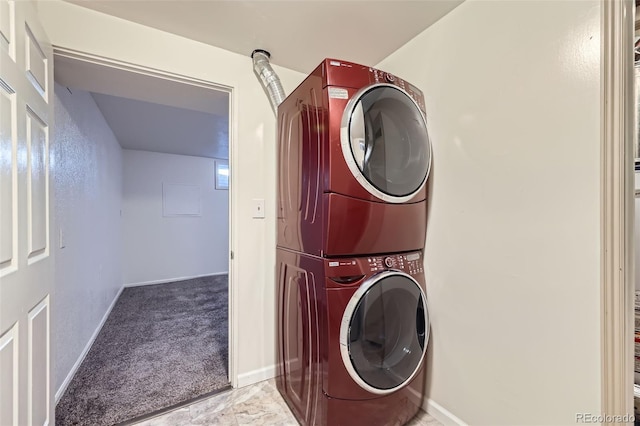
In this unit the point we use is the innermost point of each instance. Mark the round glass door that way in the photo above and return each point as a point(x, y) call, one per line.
point(385, 142)
point(384, 332)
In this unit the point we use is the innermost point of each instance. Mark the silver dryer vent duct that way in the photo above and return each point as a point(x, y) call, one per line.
point(268, 77)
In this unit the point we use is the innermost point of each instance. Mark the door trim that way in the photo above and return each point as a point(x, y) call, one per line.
point(617, 289)
point(62, 52)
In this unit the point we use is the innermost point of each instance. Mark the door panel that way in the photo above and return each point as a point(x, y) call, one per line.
point(7, 18)
point(36, 63)
point(37, 184)
point(39, 363)
point(26, 265)
point(7, 181)
point(9, 377)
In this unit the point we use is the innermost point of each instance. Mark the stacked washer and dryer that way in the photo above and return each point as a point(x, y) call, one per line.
point(354, 157)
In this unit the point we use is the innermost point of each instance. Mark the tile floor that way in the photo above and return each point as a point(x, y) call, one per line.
point(259, 404)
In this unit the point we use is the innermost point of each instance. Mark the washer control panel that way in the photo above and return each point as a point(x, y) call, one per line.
point(410, 263)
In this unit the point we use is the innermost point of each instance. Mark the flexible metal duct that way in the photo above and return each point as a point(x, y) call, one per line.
point(268, 77)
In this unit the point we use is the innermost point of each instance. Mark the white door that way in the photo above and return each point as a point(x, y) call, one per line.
point(26, 267)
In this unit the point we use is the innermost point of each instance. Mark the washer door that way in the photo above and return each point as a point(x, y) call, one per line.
point(385, 142)
point(384, 332)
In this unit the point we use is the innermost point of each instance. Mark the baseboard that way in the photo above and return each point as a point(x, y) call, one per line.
point(85, 351)
point(255, 376)
point(441, 414)
point(170, 280)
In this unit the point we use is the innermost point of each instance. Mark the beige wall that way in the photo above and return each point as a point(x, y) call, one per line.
point(253, 154)
point(512, 250)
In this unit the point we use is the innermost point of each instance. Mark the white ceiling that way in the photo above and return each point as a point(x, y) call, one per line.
point(298, 34)
point(155, 114)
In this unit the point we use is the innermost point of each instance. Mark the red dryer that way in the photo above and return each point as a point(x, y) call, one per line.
point(352, 336)
point(354, 156)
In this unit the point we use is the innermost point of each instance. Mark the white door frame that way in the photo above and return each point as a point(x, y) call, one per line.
point(61, 52)
point(617, 211)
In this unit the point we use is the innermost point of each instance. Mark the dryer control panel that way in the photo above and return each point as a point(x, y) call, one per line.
point(378, 76)
point(343, 74)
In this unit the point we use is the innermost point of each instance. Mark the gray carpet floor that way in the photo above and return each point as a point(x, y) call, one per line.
point(161, 345)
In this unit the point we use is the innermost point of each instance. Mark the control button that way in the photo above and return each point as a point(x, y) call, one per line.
point(390, 78)
point(389, 262)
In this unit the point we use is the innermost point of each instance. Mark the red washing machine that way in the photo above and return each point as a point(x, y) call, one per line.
point(352, 336)
point(354, 156)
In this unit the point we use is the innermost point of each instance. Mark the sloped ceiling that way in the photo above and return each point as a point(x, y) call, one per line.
point(148, 126)
point(153, 114)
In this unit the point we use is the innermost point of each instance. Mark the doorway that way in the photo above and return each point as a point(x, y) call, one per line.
point(117, 88)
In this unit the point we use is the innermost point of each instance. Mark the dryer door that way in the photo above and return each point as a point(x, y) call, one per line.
point(384, 332)
point(385, 142)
